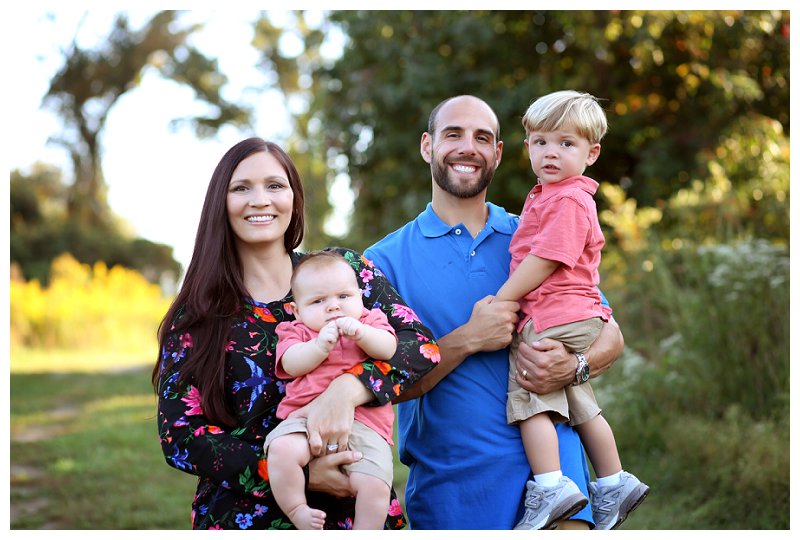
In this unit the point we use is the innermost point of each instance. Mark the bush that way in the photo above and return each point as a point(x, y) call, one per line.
point(730, 317)
point(701, 412)
point(87, 307)
point(732, 473)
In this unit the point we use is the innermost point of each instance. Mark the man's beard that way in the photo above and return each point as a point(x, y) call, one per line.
point(441, 175)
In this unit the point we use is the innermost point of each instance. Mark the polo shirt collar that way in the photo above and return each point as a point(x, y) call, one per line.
point(432, 225)
point(582, 182)
point(500, 220)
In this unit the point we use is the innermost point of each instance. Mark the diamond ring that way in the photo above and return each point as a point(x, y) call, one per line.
point(525, 374)
point(332, 447)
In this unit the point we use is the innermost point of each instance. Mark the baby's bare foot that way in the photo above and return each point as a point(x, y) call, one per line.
point(306, 518)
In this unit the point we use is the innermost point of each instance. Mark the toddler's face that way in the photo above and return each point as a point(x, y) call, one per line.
point(325, 293)
point(558, 155)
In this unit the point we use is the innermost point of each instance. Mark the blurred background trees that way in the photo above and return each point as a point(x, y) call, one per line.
point(48, 217)
point(683, 91)
point(694, 198)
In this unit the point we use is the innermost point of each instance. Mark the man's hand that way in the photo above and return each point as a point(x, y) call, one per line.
point(551, 367)
point(490, 328)
point(491, 324)
point(547, 366)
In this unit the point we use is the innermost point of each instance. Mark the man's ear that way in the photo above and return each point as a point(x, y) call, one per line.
point(594, 153)
point(425, 147)
point(499, 152)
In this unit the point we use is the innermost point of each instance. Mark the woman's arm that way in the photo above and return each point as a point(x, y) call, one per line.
point(193, 444)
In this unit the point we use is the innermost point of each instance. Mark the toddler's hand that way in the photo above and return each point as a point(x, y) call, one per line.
point(350, 328)
point(328, 336)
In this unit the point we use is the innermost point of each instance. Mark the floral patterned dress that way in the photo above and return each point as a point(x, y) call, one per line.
point(233, 490)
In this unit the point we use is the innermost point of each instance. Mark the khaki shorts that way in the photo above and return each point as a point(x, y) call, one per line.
point(377, 454)
point(573, 404)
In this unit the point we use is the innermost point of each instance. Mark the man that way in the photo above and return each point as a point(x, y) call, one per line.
point(467, 466)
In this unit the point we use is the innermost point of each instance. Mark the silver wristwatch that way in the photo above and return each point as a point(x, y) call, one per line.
point(582, 373)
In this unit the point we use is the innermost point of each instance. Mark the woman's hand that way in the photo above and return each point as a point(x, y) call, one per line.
point(330, 415)
point(324, 474)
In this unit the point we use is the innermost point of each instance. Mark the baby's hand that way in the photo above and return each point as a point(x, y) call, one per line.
point(328, 336)
point(350, 328)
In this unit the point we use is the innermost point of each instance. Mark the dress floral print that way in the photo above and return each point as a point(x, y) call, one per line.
point(233, 490)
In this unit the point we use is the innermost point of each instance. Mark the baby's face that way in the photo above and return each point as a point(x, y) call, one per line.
point(325, 293)
point(558, 155)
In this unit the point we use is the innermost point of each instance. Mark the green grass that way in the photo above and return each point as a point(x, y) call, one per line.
point(84, 448)
point(25, 360)
point(85, 455)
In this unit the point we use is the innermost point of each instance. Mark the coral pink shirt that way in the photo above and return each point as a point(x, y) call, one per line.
point(559, 222)
point(345, 355)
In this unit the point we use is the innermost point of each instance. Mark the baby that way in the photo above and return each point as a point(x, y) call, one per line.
point(332, 333)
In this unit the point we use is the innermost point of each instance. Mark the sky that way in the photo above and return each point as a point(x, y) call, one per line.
point(156, 177)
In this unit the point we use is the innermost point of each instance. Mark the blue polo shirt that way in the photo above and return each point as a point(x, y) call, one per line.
point(467, 466)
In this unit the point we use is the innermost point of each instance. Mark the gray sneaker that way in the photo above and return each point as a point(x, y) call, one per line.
point(546, 506)
point(611, 505)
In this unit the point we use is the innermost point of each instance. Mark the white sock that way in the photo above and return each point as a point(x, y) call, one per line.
point(610, 480)
point(548, 479)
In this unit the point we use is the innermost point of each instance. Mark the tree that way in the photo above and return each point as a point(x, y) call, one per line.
point(294, 78)
point(90, 83)
point(41, 231)
point(49, 218)
point(672, 84)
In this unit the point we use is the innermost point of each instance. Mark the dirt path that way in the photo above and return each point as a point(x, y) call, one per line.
point(27, 483)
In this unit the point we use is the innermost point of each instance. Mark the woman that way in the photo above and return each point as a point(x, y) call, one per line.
point(215, 376)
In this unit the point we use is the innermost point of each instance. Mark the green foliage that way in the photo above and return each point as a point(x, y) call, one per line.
point(42, 230)
point(743, 466)
point(713, 320)
point(703, 412)
point(730, 472)
point(672, 81)
point(81, 309)
point(743, 191)
point(729, 308)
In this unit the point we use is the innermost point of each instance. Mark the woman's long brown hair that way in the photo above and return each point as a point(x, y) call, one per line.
point(213, 288)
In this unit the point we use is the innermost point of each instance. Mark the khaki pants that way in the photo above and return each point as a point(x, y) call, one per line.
point(573, 404)
point(377, 460)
